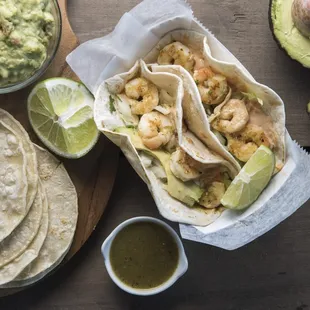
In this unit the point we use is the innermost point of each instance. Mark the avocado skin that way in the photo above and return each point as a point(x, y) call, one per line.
point(271, 26)
point(187, 192)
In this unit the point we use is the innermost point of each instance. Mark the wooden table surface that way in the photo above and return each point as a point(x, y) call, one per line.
point(272, 272)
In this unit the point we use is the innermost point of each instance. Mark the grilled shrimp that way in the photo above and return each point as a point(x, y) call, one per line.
point(143, 96)
point(183, 166)
point(213, 195)
point(233, 117)
point(241, 149)
point(213, 88)
point(210, 175)
point(155, 130)
point(244, 143)
point(177, 54)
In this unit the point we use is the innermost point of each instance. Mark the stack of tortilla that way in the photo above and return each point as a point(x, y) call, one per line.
point(38, 210)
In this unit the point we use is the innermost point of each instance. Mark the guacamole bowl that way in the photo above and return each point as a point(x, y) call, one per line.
point(29, 43)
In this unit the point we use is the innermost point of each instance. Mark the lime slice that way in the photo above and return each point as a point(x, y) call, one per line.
point(251, 180)
point(61, 113)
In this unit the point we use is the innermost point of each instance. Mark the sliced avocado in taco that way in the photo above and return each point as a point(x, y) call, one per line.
point(187, 192)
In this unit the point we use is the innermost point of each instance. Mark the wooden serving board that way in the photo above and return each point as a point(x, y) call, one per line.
point(94, 174)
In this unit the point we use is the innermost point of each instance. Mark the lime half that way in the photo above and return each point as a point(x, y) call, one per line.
point(61, 113)
point(251, 180)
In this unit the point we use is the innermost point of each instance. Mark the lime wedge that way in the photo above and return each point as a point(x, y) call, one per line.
point(251, 180)
point(61, 113)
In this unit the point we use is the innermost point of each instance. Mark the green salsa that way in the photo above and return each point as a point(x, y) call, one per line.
point(144, 255)
point(26, 28)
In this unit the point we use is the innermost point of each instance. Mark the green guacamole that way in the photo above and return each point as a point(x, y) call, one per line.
point(26, 28)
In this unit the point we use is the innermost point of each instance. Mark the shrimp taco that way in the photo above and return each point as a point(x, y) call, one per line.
point(241, 113)
point(141, 111)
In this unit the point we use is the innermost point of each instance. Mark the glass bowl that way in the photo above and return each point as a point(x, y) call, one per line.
point(51, 52)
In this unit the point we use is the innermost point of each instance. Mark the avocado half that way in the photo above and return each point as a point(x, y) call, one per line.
point(288, 36)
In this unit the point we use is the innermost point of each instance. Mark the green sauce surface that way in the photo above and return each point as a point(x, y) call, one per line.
point(144, 255)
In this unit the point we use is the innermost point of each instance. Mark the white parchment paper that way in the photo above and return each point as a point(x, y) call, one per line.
point(134, 36)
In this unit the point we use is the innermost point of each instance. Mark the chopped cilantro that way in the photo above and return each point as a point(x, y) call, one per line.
point(117, 97)
point(111, 104)
point(131, 126)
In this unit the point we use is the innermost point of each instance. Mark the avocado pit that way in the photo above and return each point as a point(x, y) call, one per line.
point(301, 16)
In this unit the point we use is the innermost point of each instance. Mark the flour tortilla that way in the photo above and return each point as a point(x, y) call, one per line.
point(13, 181)
point(17, 242)
point(108, 120)
point(30, 161)
point(273, 105)
point(10, 271)
point(63, 214)
point(195, 116)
